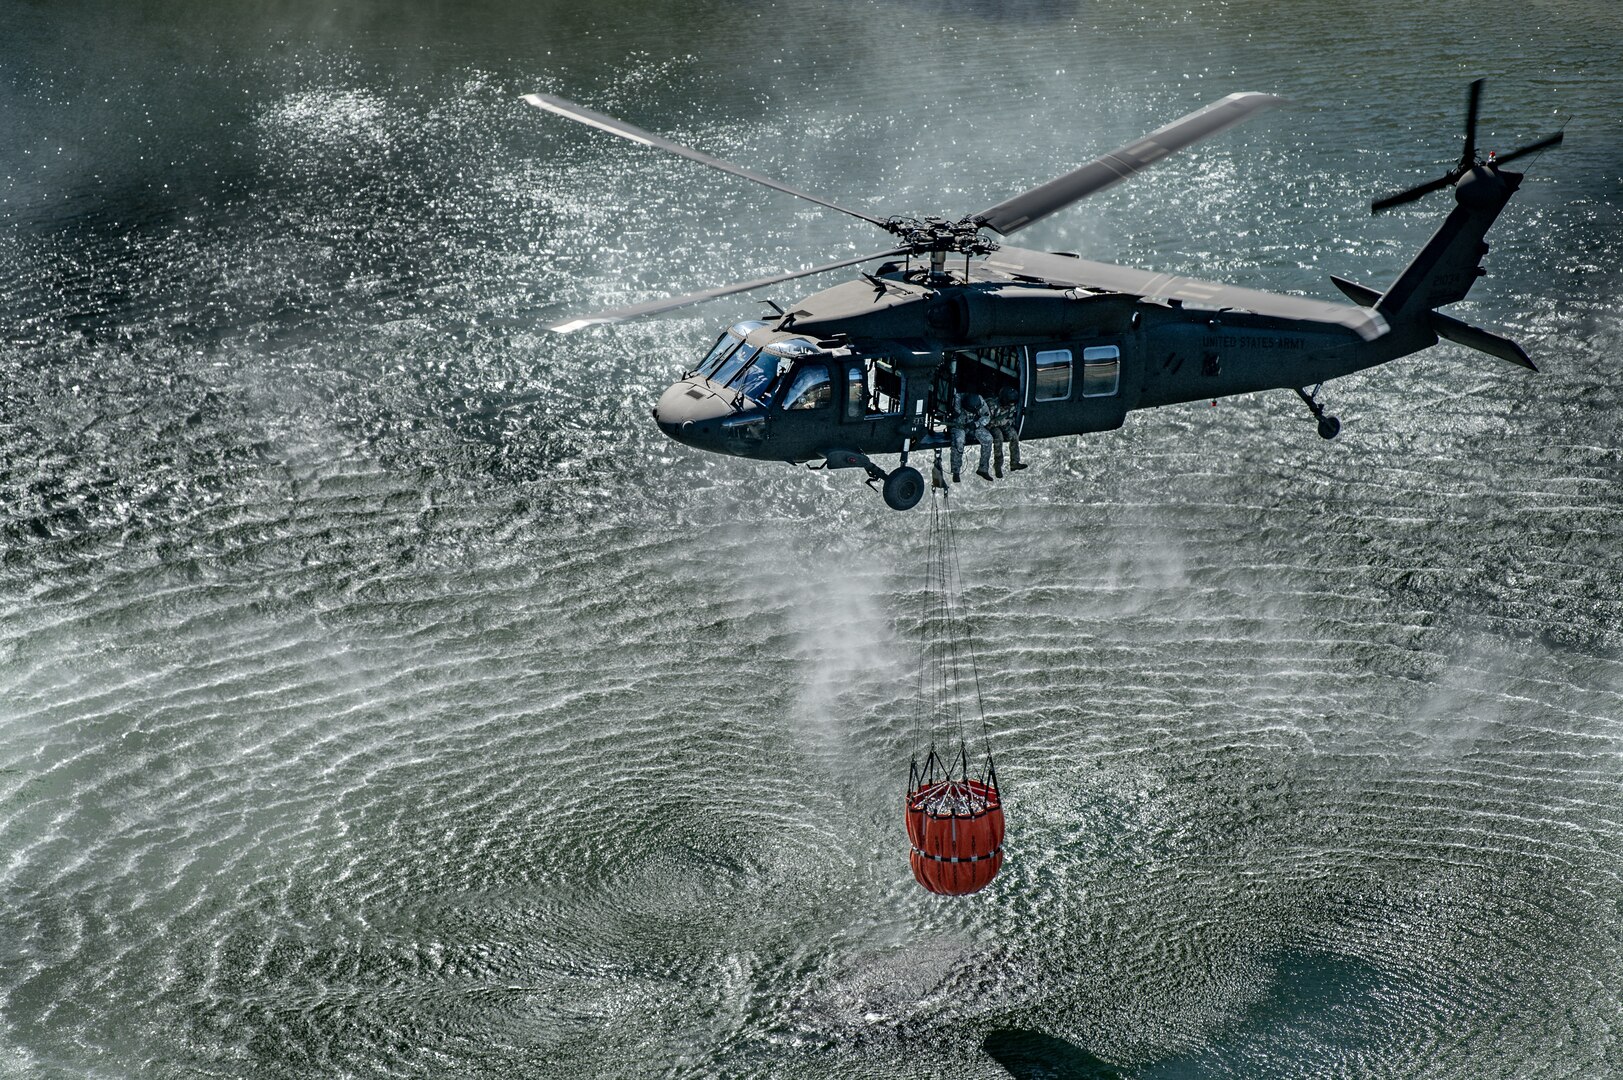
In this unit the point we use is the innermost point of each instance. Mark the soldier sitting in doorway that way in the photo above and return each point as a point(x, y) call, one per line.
point(1005, 427)
point(970, 417)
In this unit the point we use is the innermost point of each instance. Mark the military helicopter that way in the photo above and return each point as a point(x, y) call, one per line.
point(870, 367)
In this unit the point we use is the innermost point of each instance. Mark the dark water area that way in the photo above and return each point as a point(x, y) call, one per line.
point(382, 695)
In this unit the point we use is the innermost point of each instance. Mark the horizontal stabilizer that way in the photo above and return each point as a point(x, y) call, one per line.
point(1474, 337)
point(1446, 326)
point(1358, 294)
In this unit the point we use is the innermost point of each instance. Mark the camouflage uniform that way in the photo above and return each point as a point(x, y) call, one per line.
point(967, 420)
point(1005, 427)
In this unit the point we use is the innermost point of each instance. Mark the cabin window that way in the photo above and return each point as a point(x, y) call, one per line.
point(856, 392)
point(812, 389)
point(1101, 371)
point(1053, 375)
point(724, 345)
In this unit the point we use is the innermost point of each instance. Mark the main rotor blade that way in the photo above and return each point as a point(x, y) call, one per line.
point(1530, 148)
point(1119, 164)
point(1412, 193)
point(603, 122)
point(652, 307)
point(1468, 158)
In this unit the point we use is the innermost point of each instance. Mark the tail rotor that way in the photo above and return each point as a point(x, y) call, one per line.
point(1468, 159)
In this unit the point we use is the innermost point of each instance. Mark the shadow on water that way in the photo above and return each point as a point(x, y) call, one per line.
point(1320, 1006)
point(1031, 1055)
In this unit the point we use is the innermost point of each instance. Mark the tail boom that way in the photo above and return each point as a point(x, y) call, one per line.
point(1446, 326)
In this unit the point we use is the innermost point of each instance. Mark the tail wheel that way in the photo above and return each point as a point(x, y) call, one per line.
point(904, 488)
point(1329, 427)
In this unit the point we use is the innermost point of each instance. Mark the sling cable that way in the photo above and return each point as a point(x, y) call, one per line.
point(954, 817)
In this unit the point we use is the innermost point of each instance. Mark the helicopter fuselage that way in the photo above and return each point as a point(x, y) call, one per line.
point(871, 366)
point(867, 368)
point(877, 366)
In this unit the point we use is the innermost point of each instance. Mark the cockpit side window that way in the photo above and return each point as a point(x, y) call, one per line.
point(724, 345)
point(811, 389)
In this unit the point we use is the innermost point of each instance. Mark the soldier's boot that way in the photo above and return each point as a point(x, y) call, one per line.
point(1016, 466)
point(982, 461)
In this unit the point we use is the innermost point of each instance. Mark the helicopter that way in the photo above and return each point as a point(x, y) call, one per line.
point(871, 366)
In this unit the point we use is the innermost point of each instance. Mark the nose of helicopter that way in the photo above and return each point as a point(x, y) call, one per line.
point(692, 410)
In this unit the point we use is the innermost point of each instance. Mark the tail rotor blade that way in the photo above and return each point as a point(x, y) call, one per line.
point(1530, 148)
point(1468, 158)
point(1411, 195)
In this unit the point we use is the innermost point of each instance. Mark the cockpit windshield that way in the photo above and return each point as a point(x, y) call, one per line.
point(725, 344)
point(723, 350)
point(734, 364)
point(759, 380)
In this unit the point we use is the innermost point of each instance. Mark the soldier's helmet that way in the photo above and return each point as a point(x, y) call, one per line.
point(972, 402)
point(1008, 395)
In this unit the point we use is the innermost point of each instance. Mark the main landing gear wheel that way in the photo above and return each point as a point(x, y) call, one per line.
point(903, 488)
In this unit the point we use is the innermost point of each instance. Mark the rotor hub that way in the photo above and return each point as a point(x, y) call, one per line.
point(932, 234)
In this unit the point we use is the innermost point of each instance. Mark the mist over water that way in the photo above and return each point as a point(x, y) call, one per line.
point(382, 695)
